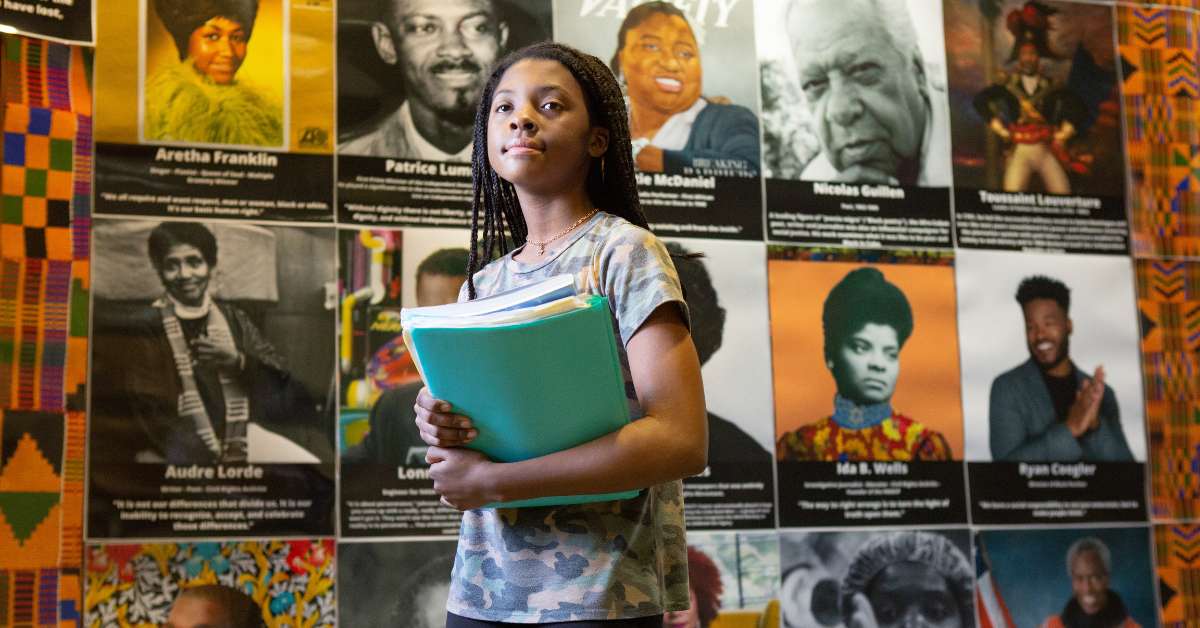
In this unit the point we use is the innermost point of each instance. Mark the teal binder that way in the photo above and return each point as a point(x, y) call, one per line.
point(531, 388)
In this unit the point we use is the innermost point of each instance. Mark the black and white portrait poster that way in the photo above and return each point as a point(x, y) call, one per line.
point(726, 293)
point(385, 485)
point(856, 128)
point(211, 110)
point(1052, 387)
point(885, 578)
point(207, 418)
point(409, 77)
point(687, 70)
point(1039, 161)
point(383, 584)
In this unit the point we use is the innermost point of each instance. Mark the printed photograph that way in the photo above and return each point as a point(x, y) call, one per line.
point(380, 272)
point(884, 579)
point(688, 78)
point(373, 593)
point(1050, 364)
point(193, 352)
point(854, 91)
point(251, 584)
point(1065, 578)
point(865, 356)
point(733, 581)
point(410, 71)
point(214, 72)
point(1035, 102)
point(726, 293)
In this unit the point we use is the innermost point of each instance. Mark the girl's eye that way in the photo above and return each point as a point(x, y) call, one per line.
point(503, 107)
point(552, 105)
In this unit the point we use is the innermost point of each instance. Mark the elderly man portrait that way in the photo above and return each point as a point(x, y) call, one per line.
point(1047, 409)
point(441, 51)
point(877, 113)
point(1094, 604)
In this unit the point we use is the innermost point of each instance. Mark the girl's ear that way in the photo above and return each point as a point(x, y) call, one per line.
point(598, 143)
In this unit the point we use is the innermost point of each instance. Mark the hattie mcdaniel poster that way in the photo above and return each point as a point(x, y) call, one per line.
point(688, 77)
point(215, 109)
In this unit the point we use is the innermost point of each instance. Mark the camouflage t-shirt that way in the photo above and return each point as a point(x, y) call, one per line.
point(605, 560)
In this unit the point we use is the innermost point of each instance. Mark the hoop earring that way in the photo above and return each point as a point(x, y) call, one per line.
point(602, 168)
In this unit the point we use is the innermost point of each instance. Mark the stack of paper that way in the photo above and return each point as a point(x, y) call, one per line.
point(536, 369)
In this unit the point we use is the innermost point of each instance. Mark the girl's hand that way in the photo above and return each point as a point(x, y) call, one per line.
point(439, 427)
point(461, 477)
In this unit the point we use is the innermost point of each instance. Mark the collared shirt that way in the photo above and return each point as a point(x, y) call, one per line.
point(674, 133)
point(422, 147)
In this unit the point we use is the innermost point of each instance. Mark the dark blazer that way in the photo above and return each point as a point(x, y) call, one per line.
point(1023, 426)
point(719, 132)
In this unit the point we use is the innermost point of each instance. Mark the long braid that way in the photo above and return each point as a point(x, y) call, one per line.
point(611, 183)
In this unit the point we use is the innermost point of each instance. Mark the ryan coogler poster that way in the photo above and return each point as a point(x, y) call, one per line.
point(217, 109)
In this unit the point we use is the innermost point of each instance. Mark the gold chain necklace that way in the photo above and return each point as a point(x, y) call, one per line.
point(542, 244)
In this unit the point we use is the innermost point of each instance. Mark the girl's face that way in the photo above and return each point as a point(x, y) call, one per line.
point(539, 136)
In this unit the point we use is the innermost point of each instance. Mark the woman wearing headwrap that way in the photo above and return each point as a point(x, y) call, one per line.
point(199, 99)
point(867, 321)
point(903, 579)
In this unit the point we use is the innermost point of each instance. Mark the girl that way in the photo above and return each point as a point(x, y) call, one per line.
point(553, 168)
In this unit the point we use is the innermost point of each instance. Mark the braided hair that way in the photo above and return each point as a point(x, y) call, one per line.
point(611, 184)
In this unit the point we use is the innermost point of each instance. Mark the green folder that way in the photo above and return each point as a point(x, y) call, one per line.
point(531, 388)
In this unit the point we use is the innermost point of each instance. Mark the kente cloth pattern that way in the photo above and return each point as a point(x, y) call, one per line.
point(606, 560)
point(897, 438)
point(1177, 562)
point(231, 445)
point(29, 598)
point(1169, 306)
point(1157, 48)
point(135, 585)
point(31, 456)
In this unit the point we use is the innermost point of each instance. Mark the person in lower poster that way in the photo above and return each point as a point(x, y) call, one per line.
point(1094, 605)
point(704, 588)
point(1047, 409)
point(885, 580)
point(189, 379)
point(866, 320)
point(199, 99)
point(373, 593)
point(671, 123)
point(392, 436)
point(214, 606)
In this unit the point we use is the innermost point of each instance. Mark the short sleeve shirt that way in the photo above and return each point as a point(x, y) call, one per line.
point(606, 560)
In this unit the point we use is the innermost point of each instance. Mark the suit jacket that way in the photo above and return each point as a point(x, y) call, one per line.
point(718, 132)
point(1023, 426)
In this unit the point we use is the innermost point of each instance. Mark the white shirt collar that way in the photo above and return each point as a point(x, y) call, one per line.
point(675, 132)
point(423, 148)
point(186, 312)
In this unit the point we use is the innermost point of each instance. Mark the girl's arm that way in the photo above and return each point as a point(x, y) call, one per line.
point(670, 442)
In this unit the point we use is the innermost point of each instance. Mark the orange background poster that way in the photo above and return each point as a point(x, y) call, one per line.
point(928, 386)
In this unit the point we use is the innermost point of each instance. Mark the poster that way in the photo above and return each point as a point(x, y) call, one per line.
point(1049, 577)
point(409, 79)
point(856, 128)
point(1025, 463)
point(834, 578)
point(206, 417)
point(67, 22)
point(1039, 161)
point(385, 485)
point(868, 413)
point(726, 293)
point(688, 76)
point(733, 577)
point(272, 583)
point(215, 116)
point(374, 593)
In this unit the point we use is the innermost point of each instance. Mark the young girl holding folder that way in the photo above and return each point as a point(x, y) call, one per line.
point(553, 168)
